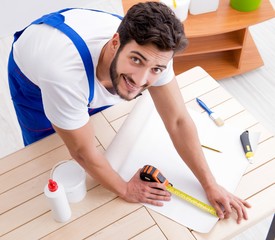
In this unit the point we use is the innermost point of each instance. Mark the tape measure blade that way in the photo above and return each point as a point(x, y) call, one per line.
point(192, 200)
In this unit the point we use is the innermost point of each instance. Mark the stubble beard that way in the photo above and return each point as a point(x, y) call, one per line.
point(115, 80)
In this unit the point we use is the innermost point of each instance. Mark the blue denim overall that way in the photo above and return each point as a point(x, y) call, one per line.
point(26, 96)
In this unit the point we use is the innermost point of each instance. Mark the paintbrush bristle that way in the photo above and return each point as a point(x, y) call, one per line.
point(217, 120)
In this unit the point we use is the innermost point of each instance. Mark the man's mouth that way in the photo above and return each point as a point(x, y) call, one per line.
point(130, 86)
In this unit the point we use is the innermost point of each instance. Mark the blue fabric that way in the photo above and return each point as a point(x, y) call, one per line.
point(26, 96)
point(28, 105)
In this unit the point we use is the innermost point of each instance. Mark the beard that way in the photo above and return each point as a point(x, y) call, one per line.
point(116, 78)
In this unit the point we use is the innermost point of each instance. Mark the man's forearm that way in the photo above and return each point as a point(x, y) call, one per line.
point(101, 171)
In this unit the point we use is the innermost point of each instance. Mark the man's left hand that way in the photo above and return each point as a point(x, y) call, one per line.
point(225, 203)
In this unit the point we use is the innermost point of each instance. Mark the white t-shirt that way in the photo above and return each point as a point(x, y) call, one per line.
point(51, 61)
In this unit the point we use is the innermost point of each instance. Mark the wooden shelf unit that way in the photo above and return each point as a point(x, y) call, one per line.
point(220, 41)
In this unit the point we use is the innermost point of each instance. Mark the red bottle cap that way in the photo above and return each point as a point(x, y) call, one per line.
point(52, 185)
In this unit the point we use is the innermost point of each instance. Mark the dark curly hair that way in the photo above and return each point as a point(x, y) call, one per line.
point(155, 23)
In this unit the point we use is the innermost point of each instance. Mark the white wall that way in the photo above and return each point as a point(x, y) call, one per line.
point(16, 14)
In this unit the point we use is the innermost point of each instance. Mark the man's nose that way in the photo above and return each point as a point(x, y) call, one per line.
point(142, 77)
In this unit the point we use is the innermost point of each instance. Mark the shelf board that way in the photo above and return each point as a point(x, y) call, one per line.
point(226, 19)
point(222, 64)
point(215, 43)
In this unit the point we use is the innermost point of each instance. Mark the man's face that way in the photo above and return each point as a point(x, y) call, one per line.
point(136, 67)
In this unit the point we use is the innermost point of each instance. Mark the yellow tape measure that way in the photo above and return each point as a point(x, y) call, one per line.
point(152, 174)
point(191, 200)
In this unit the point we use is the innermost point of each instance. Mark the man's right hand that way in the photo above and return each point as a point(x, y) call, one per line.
point(146, 192)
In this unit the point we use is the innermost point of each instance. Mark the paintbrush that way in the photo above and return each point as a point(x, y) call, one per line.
point(216, 119)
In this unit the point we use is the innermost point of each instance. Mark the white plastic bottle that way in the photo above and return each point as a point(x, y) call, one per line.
point(203, 6)
point(180, 7)
point(58, 201)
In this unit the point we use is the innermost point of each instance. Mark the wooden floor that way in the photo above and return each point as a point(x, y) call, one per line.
point(254, 90)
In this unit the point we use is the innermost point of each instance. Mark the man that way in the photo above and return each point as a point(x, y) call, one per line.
point(76, 59)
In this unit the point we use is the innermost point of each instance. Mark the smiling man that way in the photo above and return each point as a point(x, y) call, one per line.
point(68, 65)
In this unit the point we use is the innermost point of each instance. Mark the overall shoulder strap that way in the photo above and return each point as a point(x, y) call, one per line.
point(56, 20)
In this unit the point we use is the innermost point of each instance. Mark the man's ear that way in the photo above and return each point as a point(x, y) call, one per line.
point(115, 41)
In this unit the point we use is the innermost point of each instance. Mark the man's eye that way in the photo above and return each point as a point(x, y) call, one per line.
point(157, 70)
point(135, 60)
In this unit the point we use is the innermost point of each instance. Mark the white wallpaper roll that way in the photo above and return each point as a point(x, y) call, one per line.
point(138, 116)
